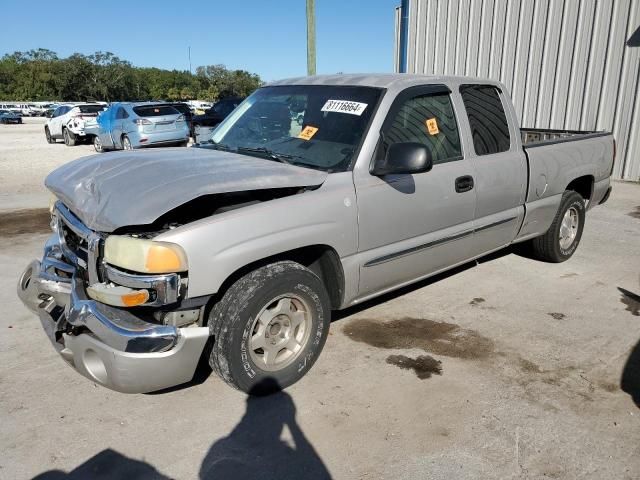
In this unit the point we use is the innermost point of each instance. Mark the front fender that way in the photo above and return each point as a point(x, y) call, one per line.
point(218, 246)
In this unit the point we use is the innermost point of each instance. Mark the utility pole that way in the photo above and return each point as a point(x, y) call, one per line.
point(311, 37)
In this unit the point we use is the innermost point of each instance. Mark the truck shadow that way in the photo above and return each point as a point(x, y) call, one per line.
point(253, 450)
point(630, 379)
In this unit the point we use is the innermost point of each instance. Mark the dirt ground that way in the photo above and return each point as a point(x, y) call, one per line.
point(506, 368)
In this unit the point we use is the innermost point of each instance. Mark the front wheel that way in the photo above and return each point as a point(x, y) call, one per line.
point(47, 134)
point(269, 328)
point(565, 232)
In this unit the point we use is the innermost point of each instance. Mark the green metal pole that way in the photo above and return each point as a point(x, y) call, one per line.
point(311, 37)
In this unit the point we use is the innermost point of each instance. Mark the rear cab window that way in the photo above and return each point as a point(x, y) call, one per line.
point(428, 119)
point(487, 119)
point(155, 110)
point(90, 108)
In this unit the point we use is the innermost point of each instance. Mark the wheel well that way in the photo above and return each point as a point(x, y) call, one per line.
point(320, 259)
point(583, 186)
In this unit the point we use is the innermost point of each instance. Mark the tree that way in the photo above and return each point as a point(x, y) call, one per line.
point(41, 75)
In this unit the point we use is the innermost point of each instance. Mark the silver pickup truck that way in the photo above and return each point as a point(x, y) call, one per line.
point(315, 194)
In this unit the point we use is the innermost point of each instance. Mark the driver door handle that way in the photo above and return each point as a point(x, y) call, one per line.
point(464, 183)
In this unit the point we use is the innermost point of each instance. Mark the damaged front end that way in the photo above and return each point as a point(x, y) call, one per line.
point(84, 305)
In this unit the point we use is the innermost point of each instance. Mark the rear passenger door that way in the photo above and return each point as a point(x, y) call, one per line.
point(119, 126)
point(499, 164)
point(412, 225)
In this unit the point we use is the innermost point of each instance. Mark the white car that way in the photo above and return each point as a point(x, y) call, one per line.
point(68, 122)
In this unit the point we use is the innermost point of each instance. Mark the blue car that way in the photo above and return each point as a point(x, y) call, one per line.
point(7, 116)
point(125, 126)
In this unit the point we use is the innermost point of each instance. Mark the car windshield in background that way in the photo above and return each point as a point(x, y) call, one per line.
point(314, 126)
point(90, 108)
point(155, 110)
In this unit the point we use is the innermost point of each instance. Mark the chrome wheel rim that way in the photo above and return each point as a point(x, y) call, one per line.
point(97, 144)
point(569, 228)
point(280, 332)
point(126, 144)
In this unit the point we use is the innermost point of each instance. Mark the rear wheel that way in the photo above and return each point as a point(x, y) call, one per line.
point(564, 234)
point(269, 328)
point(47, 134)
point(126, 143)
point(69, 138)
point(97, 144)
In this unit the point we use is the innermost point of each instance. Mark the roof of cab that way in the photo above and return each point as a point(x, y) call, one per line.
point(382, 80)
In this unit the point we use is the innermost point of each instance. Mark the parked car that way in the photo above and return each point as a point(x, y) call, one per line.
point(249, 242)
point(185, 110)
point(218, 112)
point(127, 126)
point(67, 122)
point(7, 116)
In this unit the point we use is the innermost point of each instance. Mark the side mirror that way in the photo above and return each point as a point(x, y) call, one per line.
point(48, 114)
point(406, 157)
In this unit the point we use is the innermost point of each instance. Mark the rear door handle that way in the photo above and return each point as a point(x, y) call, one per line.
point(464, 183)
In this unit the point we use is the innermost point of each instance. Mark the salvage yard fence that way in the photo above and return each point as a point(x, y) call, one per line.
point(568, 64)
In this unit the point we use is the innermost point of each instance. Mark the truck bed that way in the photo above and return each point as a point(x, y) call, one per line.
point(532, 137)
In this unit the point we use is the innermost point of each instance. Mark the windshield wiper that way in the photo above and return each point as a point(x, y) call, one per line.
point(280, 157)
point(217, 146)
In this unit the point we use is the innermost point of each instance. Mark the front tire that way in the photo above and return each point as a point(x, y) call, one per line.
point(565, 232)
point(269, 328)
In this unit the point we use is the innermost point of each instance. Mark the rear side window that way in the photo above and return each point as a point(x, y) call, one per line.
point(121, 113)
point(427, 119)
point(155, 110)
point(489, 126)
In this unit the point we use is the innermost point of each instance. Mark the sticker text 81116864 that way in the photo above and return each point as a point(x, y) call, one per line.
point(344, 106)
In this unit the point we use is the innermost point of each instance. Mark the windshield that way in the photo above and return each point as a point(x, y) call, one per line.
point(312, 126)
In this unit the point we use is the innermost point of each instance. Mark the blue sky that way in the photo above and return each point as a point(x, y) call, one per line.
point(265, 37)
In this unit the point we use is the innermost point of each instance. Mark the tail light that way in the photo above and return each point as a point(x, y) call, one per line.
point(142, 121)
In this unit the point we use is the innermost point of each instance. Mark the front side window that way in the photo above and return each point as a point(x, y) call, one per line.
point(430, 120)
point(488, 122)
point(121, 113)
point(315, 126)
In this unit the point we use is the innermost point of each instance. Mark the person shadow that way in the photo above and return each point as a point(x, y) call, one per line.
point(254, 449)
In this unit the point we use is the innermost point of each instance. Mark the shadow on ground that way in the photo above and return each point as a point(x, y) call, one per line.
point(253, 450)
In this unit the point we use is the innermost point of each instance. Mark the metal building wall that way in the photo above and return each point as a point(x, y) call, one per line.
point(568, 64)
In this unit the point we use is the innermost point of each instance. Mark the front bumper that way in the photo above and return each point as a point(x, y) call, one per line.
point(106, 344)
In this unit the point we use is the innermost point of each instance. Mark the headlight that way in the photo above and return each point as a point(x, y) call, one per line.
point(146, 256)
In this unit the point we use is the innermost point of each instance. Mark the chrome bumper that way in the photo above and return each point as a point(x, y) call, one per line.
point(108, 345)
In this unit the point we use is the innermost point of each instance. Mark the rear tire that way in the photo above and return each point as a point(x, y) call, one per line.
point(69, 138)
point(47, 134)
point(97, 144)
point(269, 328)
point(565, 232)
point(126, 143)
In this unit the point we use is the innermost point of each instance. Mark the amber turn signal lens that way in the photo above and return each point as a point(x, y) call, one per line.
point(135, 298)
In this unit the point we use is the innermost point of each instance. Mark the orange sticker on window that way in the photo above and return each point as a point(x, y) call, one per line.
point(307, 132)
point(432, 126)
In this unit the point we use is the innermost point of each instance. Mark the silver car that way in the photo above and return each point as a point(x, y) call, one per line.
point(126, 126)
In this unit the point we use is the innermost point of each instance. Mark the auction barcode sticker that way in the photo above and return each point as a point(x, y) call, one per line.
point(344, 106)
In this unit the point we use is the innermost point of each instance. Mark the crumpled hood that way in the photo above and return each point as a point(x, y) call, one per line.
point(112, 190)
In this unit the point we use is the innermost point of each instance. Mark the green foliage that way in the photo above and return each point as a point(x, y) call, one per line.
point(41, 75)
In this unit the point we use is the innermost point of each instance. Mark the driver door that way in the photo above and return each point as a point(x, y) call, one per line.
point(413, 225)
